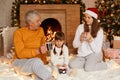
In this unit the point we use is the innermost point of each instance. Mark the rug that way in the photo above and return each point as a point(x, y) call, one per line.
point(112, 73)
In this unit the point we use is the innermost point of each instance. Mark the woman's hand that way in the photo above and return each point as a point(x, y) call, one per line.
point(82, 36)
point(89, 37)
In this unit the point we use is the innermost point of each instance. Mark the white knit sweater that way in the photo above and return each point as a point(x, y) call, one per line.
point(60, 59)
point(86, 48)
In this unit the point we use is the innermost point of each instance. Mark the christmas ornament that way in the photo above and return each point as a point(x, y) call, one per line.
point(109, 16)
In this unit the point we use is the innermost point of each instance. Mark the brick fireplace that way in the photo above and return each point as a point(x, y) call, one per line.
point(68, 16)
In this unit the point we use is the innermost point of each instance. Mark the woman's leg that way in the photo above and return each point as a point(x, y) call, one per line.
point(94, 62)
point(32, 66)
point(77, 62)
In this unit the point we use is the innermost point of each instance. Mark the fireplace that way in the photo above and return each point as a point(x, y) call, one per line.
point(50, 26)
point(60, 17)
point(51, 23)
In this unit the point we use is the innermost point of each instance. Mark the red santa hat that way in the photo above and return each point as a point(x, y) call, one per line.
point(93, 12)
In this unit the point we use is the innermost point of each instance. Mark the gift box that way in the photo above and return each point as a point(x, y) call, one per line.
point(1, 45)
point(6, 39)
point(106, 45)
point(111, 53)
point(116, 44)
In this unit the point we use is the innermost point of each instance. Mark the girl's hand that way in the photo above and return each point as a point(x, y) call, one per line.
point(57, 65)
point(64, 65)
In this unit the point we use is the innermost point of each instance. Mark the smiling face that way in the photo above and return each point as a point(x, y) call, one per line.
point(32, 19)
point(59, 39)
point(59, 43)
point(88, 19)
point(34, 24)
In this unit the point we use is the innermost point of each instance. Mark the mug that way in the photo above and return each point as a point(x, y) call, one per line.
point(49, 46)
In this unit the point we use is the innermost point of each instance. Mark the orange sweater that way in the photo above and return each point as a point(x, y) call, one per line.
point(27, 42)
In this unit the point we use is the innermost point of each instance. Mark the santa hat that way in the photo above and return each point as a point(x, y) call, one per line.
point(93, 12)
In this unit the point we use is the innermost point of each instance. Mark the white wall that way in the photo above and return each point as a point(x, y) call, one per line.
point(89, 3)
point(5, 20)
point(5, 12)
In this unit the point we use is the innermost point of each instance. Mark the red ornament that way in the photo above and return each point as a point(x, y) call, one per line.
point(109, 30)
point(104, 12)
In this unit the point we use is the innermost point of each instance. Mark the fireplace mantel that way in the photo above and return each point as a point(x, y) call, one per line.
point(67, 14)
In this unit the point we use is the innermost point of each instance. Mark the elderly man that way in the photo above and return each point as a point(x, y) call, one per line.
point(30, 51)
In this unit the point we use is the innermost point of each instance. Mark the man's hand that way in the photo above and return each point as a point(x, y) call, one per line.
point(43, 49)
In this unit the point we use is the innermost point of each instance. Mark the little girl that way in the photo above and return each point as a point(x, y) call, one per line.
point(59, 54)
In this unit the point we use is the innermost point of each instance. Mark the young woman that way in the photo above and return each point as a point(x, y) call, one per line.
point(88, 39)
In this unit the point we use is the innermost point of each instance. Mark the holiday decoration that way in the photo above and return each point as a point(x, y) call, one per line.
point(16, 6)
point(112, 53)
point(109, 15)
point(15, 14)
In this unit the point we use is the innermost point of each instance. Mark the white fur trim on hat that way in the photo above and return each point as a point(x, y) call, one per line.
point(93, 14)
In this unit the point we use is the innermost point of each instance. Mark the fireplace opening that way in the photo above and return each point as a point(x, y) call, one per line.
point(50, 26)
point(51, 23)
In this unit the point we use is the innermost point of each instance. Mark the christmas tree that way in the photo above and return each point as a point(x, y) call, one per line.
point(109, 15)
